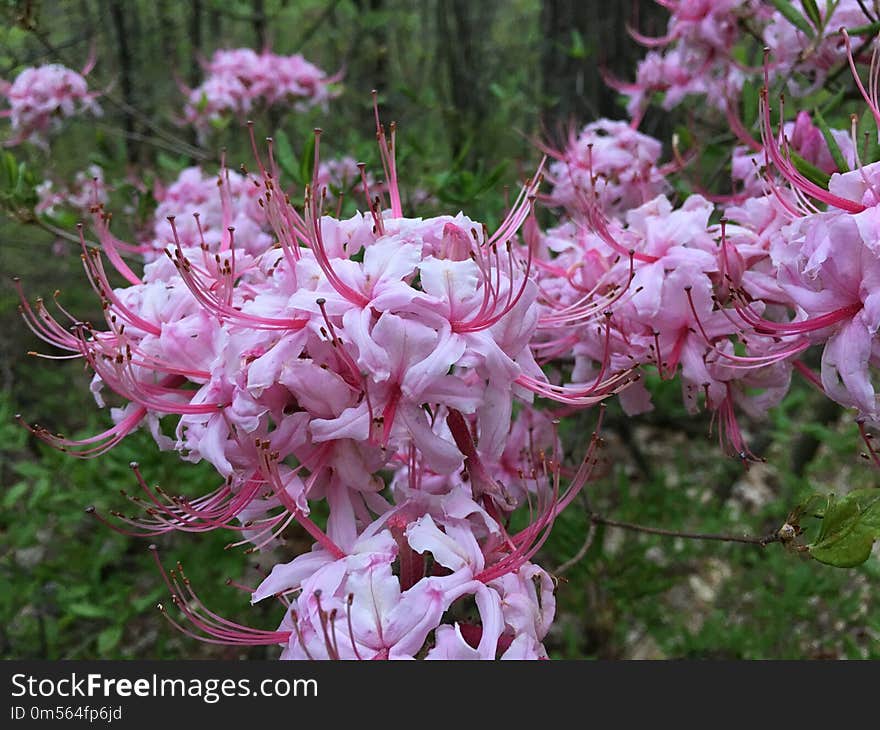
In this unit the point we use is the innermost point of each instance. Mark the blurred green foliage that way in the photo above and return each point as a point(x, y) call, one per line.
point(72, 587)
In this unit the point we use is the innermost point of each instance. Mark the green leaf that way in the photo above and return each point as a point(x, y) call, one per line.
point(834, 101)
point(833, 147)
point(307, 163)
point(284, 154)
point(15, 492)
point(109, 638)
point(869, 29)
point(812, 11)
point(849, 528)
point(219, 123)
point(141, 604)
point(9, 169)
point(749, 104)
point(870, 150)
point(790, 13)
point(171, 165)
point(809, 170)
point(578, 48)
point(88, 610)
point(491, 180)
point(30, 470)
point(498, 90)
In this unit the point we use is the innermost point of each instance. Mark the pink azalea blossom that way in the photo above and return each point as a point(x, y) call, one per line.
point(240, 79)
point(41, 96)
point(610, 160)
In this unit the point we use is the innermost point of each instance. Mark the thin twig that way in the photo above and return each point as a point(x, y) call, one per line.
point(313, 28)
point(180, 145)
point(154, 141)
point(218, 7)
point(67, 235)
point(579, 555)
point(747, 539)
point(866, 11)
point(61, 233)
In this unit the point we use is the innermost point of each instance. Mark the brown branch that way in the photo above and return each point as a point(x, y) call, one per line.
point(579, 555)
point(61, 233)
point(762, 541)
point(125, 60)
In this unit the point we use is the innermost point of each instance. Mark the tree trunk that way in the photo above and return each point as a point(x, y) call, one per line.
point(260, 26)
point(126, 78)
point(195, 38)
point(581, 38)
point(167, 32)
point(463, 26)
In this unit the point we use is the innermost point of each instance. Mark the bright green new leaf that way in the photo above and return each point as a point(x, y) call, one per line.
point(307, 162)
point(812, 11)
point(833, 147)
point(809, 170)
point(849, 528)
point(15, 492)
point(108, 639)
point(749, 104)
point(284, 156)
point(790, 13)
point(578, 47)
point(88, 610)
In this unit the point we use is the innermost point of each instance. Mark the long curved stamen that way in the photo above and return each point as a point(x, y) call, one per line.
point(741, 360)
point(766, 327)
point(214, 628)
point(789, 171)
point(270, 471)
point(388, 153)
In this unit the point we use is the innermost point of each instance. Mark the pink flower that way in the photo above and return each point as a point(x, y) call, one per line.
point(195, 192)
point(41, 96)
point(611, 161)
point(240, 79)
point(88, 191)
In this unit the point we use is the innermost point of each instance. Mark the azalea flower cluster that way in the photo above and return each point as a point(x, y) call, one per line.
point(379, 363)
point(342, 176)
point(699, 53)
point(239, 80)
point(729, 291)
point(41, 96)
point(204, 207)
